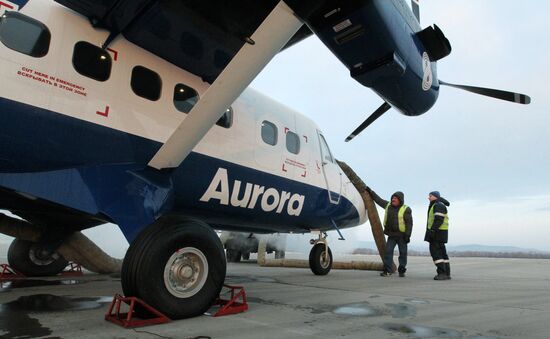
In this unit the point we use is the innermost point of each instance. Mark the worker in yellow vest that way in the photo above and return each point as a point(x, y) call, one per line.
point(398, 225)
point(437, 234)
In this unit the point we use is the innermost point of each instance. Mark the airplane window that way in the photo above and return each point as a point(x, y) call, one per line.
point(92, 61)
point(24, 34)
point(269, 133)
point(327, 156)
point(146, 83)
point(227, 118)
point(185, 98)
point(292, 142)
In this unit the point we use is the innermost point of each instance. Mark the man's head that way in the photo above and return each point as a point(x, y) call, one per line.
point(434, 195)
point(397, 199)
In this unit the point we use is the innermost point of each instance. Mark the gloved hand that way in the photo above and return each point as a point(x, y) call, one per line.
point(407, 239)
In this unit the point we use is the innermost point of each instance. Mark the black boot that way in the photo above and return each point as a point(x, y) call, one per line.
point(441, 272)
point(448, 269)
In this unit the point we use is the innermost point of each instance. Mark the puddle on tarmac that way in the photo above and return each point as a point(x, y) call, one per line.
point(232, 279)
point(50, 303)
point(417, 301)
point(23, 283)
point(402, 310)
point(358, 309)
point(16, 322)
point(418, 331)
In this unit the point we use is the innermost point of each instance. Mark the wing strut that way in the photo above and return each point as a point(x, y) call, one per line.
point(276, 30)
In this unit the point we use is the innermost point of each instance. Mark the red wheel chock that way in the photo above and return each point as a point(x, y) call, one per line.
point(8, 273)
point(73, 269)
point(130, 319)
point(232, 305)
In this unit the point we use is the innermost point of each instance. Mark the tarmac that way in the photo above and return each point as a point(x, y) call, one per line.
point(487, 298)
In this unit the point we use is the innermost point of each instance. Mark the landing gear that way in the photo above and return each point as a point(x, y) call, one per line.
point(233, 255)
point(320, 257)
point(176, 267)
point(34, 260)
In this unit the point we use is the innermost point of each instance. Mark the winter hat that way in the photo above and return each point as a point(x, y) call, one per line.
point(435, 194)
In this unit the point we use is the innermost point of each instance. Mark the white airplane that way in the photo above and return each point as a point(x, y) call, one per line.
point(138, 113)
point(80, 125)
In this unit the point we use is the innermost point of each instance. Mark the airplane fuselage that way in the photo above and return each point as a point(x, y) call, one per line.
point(78, 135)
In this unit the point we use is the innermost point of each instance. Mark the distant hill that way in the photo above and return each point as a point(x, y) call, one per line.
point(492, 249)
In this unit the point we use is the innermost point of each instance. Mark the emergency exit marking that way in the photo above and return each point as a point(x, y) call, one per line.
point(286, 130)
point(5, 5)
point(115, 53)
point(284, 168)
point(104, 114)
point(305, 137)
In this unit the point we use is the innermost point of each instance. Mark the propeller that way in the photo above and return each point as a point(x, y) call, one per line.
point(493, 93)
point(377, 114)
point(415, 5)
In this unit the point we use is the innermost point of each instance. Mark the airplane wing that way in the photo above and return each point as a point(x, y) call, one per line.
point(225, 43)
point(199, 36)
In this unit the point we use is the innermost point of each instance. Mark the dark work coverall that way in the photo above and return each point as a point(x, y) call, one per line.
point(438, 238)
point(391, 229)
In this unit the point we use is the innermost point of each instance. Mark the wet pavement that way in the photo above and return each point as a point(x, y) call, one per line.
point(487, 299)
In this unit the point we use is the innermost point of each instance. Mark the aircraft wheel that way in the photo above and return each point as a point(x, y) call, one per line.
point(279, 254)
point(246, 256)
point(33, 260)
point(233, 255)
point(178, 269)
point(317, 262)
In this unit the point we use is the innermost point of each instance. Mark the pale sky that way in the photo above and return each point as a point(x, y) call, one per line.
point(490, 159)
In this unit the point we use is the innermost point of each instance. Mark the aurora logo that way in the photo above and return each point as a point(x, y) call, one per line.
point(269, 199)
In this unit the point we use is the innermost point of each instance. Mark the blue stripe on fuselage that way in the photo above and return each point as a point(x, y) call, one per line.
point(43, 151)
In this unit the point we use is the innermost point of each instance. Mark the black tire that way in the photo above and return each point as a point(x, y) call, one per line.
point(279, 254)
point(31, 260)
point(233, 255)
point(146, 269)
point(246, 256)
point(316, 262)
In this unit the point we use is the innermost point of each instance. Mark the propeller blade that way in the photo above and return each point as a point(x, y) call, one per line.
point(415, 5)
point(494, 93)
point(377, 114)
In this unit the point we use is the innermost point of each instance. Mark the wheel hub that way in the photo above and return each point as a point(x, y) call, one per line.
point(41, 256)
point(185, 272)
point(325, 259)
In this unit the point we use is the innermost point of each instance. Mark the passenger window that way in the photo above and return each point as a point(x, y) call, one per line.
point(146, 83)
point(327, 156)
point(269, 133)
point(24, 34)
point(227, 119)
point(185, 98)
point(292, 142)
point(92, 61)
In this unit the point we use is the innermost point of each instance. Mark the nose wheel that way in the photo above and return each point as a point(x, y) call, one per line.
point(320, 256)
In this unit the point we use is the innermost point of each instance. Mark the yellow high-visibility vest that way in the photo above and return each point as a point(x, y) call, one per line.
point(431, 217)
point(400, 217)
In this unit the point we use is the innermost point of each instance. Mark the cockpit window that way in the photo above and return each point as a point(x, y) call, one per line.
point(24, 34)
point(327, 156)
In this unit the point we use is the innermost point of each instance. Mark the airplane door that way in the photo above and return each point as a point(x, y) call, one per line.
point(331, 171)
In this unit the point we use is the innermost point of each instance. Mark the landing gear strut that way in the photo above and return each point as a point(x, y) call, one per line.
point(320, 257)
